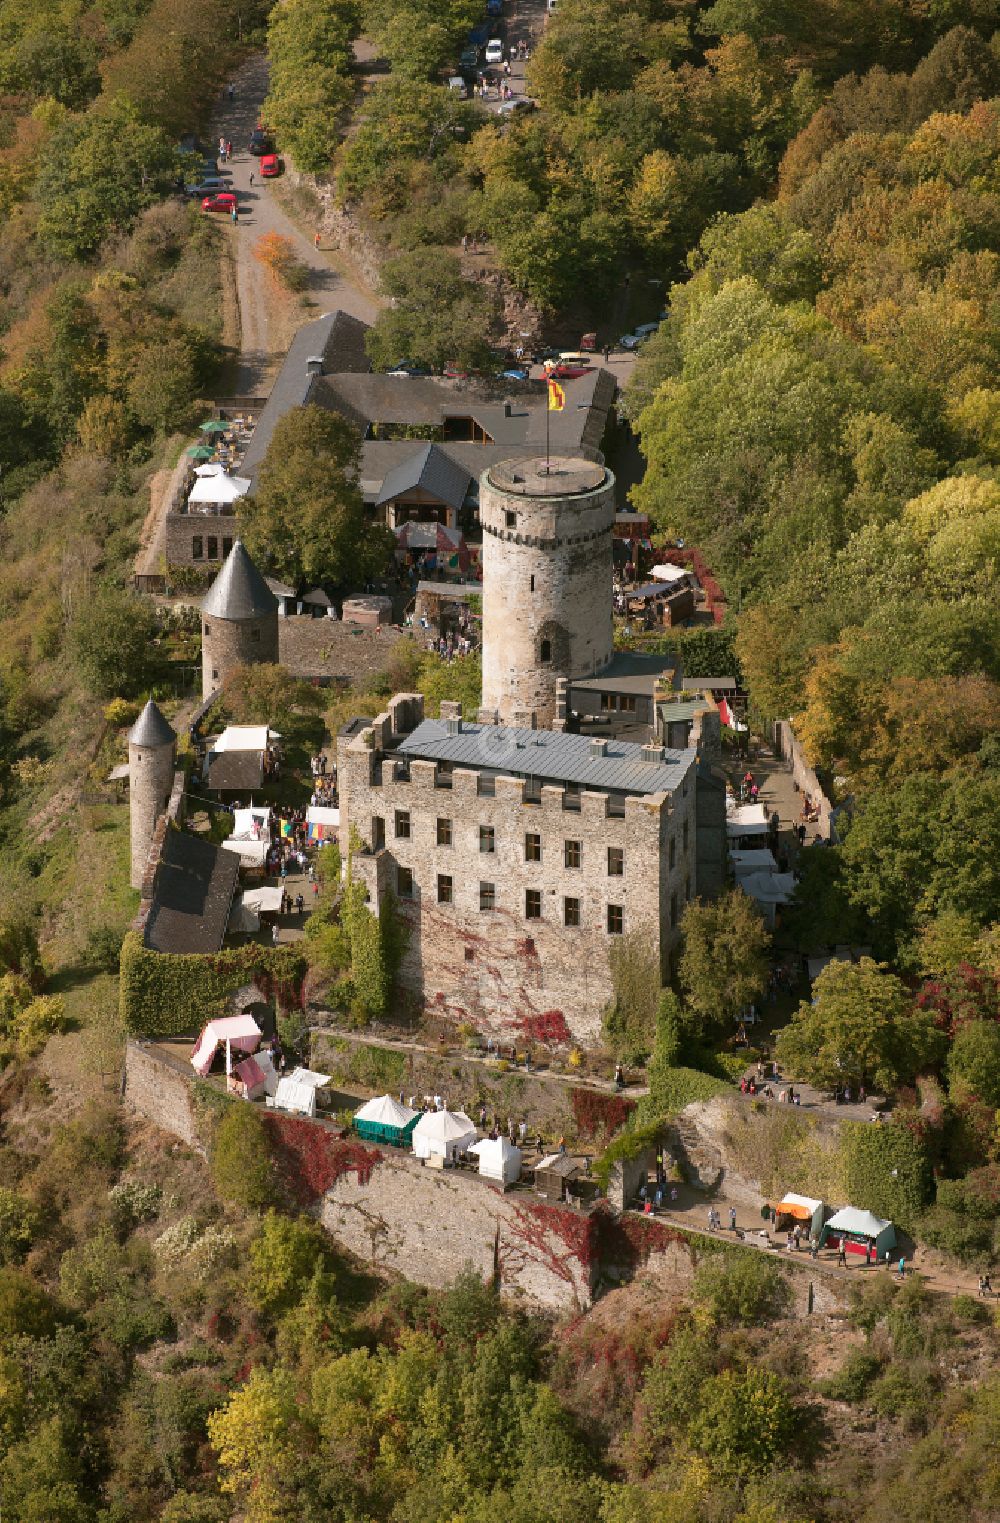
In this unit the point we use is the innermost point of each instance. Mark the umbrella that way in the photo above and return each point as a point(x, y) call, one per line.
point(201, 452)
point(215, 426)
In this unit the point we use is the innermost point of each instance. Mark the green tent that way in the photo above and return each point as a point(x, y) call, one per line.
point(200, 452)
point(215, 426)
point(385, 1120)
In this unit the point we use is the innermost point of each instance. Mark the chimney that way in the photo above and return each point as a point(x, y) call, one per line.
point(314, 365)
point(598, 747)
point(652, 753)
point(453, 726)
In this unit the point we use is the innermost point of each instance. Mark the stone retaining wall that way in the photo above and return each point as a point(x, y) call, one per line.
point(159, 1089)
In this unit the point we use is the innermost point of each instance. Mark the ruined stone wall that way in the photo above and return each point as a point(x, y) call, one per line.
point(547, 594)
point(495, 967)
point(226, 643)
point(158, 1090)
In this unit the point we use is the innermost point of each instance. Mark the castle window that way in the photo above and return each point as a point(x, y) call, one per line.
point(545, 651)
point(444, 832)
point(616, 919)
point(487, 896)
point(403, 824)
point(378, 832)
point(685, 830)
point(616, 862)
point(673, 909)
point(627, 704)
point(533, 904)
point(227, 545)
point(532, 584)
point(205, 629)
point(215, 675)
point(571, 912)
point(255, 634)
point(672, 851)
point(573, 853)
point(197, 548)
point(446, 889)
point(510, 519)
point(487, 839)
point(532, 848)
point(404, 882)
point(213, 548)
point(470, 955)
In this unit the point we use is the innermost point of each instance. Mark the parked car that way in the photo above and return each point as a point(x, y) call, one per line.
point(458, 86)
point(207, 187)
point(515, 373)
point(225, 201)
point(479, 34)
point(270, 166)
point(516, 107)
point(564, 372)
point(633, 340)
point(494, 51)
point(469, 58)
point(260, 143)
point(407, 368)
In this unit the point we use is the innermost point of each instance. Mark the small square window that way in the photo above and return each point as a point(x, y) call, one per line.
point(571, 912)
point(487, 896)
point(446, 890)
point(402, 824)
point(616, 919)
point(444, 832)
point(533, 904)
point(197, 548)
point(470, 955)
point(532, 848)
point(487, 839)
point(404, 882)
point(573, 853)
point(510, 519)
point(616, 862)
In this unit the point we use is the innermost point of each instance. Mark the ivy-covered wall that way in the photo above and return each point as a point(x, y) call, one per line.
point(163, 995)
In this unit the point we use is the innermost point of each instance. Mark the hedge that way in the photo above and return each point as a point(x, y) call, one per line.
point(886, 1170)
point(677, 1087)
point(164, 995)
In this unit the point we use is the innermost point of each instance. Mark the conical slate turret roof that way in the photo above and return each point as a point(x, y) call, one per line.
point(239, 591)
point(151, 729)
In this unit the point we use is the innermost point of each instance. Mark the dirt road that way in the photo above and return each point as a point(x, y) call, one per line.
point(262, 336)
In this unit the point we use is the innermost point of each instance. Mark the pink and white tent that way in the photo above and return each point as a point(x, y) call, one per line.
point(240, 1031)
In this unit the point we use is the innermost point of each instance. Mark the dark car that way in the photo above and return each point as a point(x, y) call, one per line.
point(469, 58)
point(260, 143)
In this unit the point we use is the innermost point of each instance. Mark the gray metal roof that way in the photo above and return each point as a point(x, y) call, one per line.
point(432, 471)
point(239, 591)
point(628, 672)
point(548, 756)
point(151, 729)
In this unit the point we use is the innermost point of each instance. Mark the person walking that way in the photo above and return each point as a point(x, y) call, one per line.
point(732, 1218)
point(842, 1254)
point(315, 240)
point(251, 179)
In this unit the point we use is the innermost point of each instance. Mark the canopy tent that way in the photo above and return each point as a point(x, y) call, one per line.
point(768, 891)
point(385, 1120)
point(250, 823)
point(322, 823)
point(263, 900)
point(746, 820)
point(669, 574)
point(200, 452)
point(219, 489)
point(815, 965)
point(244, 737)
point(757, 860)
point(243, 921)
point(250, 1079)
point(860, 1230)
point(297, 1092)
point(498, 1159)
point(240, 1031)
point(729, 718)
point(802, 1209)
point(250, 853)
point(214, 426)
point(443, 1134)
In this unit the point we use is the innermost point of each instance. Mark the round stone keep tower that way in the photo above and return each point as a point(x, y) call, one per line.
point(239, 621)
point(151, 757)
point(547, 594)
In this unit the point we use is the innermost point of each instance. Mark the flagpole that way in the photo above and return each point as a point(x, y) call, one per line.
point(548, 409)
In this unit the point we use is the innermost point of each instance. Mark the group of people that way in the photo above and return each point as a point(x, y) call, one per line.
point(225, 149)
point(451, 646)
point(324, 783)
point(749, 790)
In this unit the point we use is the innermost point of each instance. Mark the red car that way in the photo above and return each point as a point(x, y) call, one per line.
point(225, 201)
point(568, 372)
point(270, 166)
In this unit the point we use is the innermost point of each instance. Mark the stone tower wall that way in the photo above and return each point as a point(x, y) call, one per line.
point(226, 643)
point(547, 595)
point(151, 776)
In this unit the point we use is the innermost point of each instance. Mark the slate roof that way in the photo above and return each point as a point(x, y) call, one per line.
point(628, 672)
point(192, 895)
point(151, 729)
point(431, 470)
point(239, 591)
point(230, 771)
point(548, 756)
point(338, 340)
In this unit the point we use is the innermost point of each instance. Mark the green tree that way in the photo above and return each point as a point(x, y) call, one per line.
point(306, 520)
point(974, 1062)
point(860, 1028)
point(241, 1159)
point(437, 317)
point(723, 962)
point(284, 1256)
point(110, 637)
point(746, 1421)
point(255, 1436)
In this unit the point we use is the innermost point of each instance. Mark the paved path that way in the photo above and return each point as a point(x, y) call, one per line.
point(261, 339)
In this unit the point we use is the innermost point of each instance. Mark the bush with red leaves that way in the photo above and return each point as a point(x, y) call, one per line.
point(310, 1158)
point(597, 1114)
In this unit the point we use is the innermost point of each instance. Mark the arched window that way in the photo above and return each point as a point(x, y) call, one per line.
point(545, 654)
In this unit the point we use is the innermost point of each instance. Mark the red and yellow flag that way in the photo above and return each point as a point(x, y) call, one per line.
point(557, 397)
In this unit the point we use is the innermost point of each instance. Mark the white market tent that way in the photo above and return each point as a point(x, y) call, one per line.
point(240, 1031)
point(443, 1134)
point(250, 853)
point(250, 822)
point(322, 822)
point(768, 890)
point(498, 1159)
point(746, 820)
point(669, 574)
point(860, 1228)
point(244, 737)
point(756, 860)
point(262, 901)
point(219, 489)
point(297, 1092)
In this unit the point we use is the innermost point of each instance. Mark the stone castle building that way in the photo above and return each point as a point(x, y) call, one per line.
point(239, 621)
point(152, 751)
point(547, 570)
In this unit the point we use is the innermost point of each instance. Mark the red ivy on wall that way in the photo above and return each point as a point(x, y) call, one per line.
point(596, 1113)
point(548, 1026)
point(714, 594)
point(310, 1158)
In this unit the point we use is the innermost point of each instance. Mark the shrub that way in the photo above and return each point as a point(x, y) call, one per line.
point(121, 712)
point(902, 1393)
point(102, 949)
point(132, 1203)
point(284, 1257)
point(596, 1113)
point(241, 1159)
point(677, 1087)
point(852, 1380)
point(741, 1287)
point(19, 1222)
point(111, 637)
point(25, 1309)
point(32, 1026)
point(968, 1309)
point(200, 1252)
point(746, 1421)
